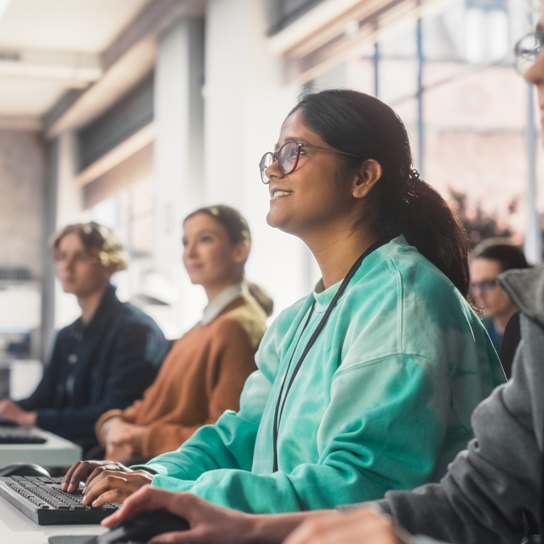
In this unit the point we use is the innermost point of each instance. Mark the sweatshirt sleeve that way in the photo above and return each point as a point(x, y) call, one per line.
point(228, 444)
point(383, 429)
point(489, 486)
point(234, 361)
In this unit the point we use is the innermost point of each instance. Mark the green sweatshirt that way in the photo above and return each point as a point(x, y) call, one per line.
point(382, 401)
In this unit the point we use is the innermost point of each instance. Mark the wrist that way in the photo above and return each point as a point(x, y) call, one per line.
point(106, 426)
point(27, 419)
point(137, 441)
point(267, 529)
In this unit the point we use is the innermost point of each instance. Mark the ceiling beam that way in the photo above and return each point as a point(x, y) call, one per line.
point(19, 122)
point(117, 155)
point(349, 34)
point(126, 62)
point(75, 69)
point(308, 24)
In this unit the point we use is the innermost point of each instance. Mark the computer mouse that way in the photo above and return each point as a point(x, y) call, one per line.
point(23, 469)
point(143, 527)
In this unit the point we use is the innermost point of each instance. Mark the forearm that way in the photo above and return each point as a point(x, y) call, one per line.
point(207, 450)
point(308, 487)
point(12, 411)
point(267, 529)
point(103, 424)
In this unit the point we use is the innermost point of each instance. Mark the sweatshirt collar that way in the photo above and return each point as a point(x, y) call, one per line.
point(323, 297)
point(222, 300)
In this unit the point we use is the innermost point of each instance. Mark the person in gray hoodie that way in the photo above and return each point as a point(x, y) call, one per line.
point(491, 489)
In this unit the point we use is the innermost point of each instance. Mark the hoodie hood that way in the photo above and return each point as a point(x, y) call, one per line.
point(526, 288)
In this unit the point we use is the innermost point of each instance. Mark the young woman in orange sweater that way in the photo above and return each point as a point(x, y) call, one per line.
point(205, 371)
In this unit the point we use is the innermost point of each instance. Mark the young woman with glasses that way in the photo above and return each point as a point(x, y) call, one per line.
point(368, 383)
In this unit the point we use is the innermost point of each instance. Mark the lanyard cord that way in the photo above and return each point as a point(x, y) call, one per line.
point(541, 520)
point(540, 511)
point(278, 413)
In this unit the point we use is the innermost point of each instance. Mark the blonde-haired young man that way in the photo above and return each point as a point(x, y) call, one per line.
point(107, 357)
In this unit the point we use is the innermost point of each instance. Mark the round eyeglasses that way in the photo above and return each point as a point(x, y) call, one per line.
point(527, 50)
point(288, 156)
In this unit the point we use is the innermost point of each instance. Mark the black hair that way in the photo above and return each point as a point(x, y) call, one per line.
point(506, 254)
point(400, 202)
point(238, 231)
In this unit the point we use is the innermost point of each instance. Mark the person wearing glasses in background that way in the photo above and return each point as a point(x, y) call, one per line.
point(491, 493)
point(490, 259)
point(368, 383)
point(107, 357)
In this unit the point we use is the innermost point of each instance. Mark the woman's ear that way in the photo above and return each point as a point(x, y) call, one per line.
point(241, 252)
point(365, 178)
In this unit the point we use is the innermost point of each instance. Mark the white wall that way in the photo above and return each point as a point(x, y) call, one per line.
point(69, 209)
point(178, 164)
point(22, 174)
point(246, 101)
point(22, 180)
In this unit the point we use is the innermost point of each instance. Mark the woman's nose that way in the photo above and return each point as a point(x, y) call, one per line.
point(535, 73)
point(190, 250)
point(273, 171)
point(66, 264)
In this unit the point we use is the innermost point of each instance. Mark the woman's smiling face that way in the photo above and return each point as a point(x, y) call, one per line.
point(311, 197)
point(209, 256)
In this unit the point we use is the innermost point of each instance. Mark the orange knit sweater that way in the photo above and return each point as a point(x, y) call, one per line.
point(201, 377)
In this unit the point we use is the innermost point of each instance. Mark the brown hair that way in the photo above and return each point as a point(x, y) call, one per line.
point(232, 220)
point(238, 231)
point(503, 251)
point(95, 239)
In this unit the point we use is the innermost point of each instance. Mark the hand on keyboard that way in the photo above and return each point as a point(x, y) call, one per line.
point(114, 487)
point(105, 481)
point(86, 471)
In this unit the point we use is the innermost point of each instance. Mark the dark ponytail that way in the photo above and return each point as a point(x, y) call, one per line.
point(400, 203)
point(238, 231)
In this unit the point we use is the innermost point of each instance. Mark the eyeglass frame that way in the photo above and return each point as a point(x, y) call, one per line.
point(485, 286)
point(300, 145)
point(538, 37)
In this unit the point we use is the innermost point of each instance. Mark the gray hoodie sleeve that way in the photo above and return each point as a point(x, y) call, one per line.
point(488, 486)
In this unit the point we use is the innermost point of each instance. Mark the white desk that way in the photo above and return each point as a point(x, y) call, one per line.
point(16, 528)
point(56, 452)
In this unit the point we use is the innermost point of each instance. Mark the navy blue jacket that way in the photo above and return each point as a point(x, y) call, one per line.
point(94, 368)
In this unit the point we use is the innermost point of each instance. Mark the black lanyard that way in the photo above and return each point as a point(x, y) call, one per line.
point(280, 404)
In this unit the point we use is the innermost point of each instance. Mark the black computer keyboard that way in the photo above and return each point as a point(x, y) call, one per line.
point(42, 500)
point(18, 435)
